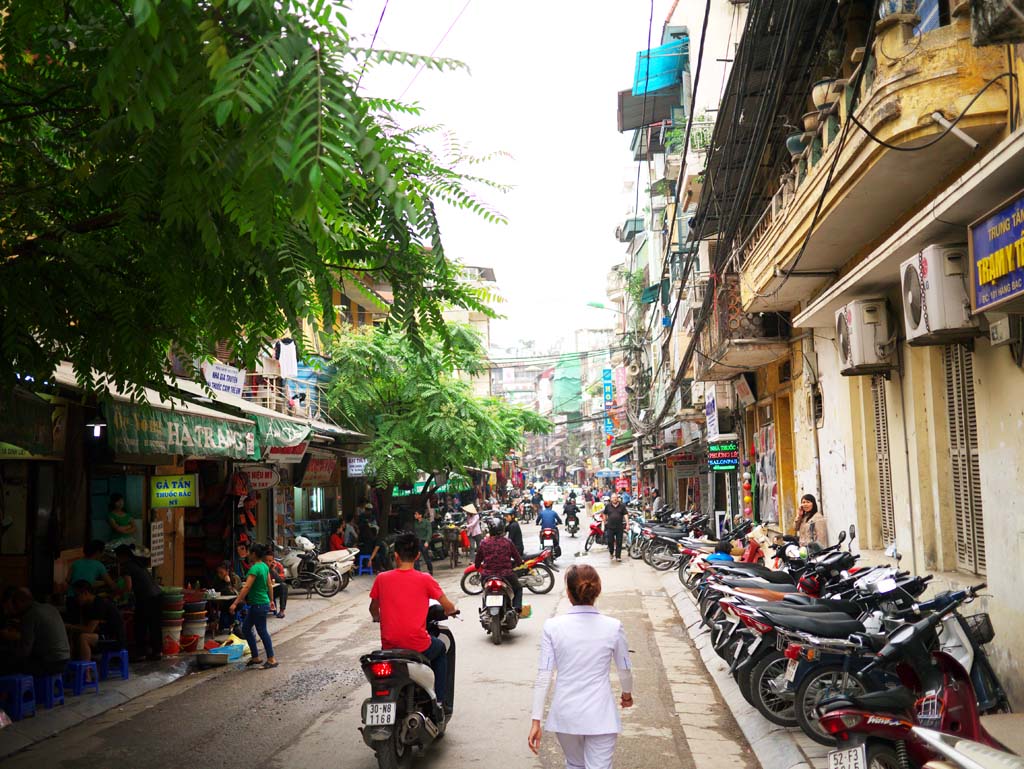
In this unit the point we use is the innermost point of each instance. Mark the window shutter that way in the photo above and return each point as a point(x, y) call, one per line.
point(965, 463)
point(222, 351)
point(885, 504)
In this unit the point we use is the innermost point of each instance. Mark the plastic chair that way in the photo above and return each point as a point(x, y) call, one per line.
point(365, 567)
point(49, 690)
point(121, 656)
point(18, 695)
point(77, 671)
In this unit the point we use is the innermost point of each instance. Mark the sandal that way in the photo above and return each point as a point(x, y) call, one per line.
point(270, 665)
point(252, 662)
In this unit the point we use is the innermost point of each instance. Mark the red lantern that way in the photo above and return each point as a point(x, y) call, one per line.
point(746, 485)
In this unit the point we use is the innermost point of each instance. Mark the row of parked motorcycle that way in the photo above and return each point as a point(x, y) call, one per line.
point(854, 656)
point(306, 568)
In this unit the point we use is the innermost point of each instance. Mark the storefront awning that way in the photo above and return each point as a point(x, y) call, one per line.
point(636, 111)
point(658, 457)
point(620, 456)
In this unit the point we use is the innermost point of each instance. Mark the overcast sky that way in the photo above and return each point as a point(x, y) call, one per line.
point(542, 88)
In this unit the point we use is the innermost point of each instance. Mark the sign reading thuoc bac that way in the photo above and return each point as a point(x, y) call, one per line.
point(723, 456)
point(997, 257)
point(174, 491)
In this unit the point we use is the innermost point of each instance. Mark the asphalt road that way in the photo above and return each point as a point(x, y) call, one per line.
point(306, 712)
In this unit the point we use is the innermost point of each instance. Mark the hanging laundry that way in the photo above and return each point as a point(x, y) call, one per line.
point(287, 358)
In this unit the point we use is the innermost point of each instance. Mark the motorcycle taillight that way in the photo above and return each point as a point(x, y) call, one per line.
point(382, 669)
point(756, 625)
point(495, 584)
point(792, 652)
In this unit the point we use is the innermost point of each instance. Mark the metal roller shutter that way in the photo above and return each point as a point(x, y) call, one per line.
point(965, 463)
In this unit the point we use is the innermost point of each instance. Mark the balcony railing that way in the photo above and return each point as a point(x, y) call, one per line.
point(734, 341)
point(301, 398)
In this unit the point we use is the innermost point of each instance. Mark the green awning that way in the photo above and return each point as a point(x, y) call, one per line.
point(455, 483)
point(140, 429)
point(280, 432)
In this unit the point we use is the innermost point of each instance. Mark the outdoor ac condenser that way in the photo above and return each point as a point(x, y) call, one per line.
point(936, 309)
point(863, 337)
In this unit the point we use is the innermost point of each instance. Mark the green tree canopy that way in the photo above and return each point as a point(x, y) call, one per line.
point(181, 172)
point(419, 414)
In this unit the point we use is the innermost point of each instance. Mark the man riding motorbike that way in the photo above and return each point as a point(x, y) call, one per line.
point(547, 518)
point(498, 557)
point(399, 600)
point(571, 511)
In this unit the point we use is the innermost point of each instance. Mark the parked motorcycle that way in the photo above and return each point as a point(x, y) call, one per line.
point(497, 613)
point(402, 715)
point(303, 570)
point(343, 562)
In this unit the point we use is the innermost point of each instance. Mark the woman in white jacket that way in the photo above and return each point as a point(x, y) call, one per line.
point(580, 645)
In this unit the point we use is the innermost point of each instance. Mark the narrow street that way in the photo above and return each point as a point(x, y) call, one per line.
point(306, 713)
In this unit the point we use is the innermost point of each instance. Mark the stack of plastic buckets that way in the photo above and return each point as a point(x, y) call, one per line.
point(172, 618)
point(193, 632)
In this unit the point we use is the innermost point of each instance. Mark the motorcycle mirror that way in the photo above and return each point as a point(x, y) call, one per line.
point(853, 532)
point(842, 537)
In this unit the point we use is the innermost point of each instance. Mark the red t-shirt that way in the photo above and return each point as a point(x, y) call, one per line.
point(403, 595)
point(337, 543)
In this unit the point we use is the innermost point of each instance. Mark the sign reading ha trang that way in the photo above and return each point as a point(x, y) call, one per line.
point(145, 430)
point(174, 491)
point(997, 257)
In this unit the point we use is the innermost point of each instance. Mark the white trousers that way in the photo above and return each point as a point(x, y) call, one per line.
point(588, 751)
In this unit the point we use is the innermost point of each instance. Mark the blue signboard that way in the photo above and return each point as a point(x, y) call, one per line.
point(997, 256)
point(609, 426)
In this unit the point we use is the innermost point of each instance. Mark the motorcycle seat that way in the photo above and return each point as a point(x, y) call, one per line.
point(760, 584)
point(752, 570)
point(896, 700)
point(846, 607)
point(397, 654)
point(825, 625)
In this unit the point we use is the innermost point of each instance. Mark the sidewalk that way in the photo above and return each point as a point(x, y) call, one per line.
point(776, 747)
point(149, 676)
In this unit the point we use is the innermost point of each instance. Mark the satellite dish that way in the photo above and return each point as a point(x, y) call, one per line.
point(912, 294)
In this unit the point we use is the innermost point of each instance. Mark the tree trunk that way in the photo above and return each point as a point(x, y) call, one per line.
point(384, 498)
point(424, 495)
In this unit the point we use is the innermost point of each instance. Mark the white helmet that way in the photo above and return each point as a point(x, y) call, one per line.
point(304, 543)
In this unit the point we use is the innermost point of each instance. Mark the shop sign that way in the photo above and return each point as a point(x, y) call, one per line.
point(723, 456)
point(280, 432)
point(622, 484)
point(711, 411)
point(673, 460)
point(996, 244)
point(357, 467)
point(743, 391)
point(621, 396)
point(287, 455)
point(174, 491)
point(319, 471)
point(224, 378)
point(156, 543)
point(260, 477)
point(145, 430)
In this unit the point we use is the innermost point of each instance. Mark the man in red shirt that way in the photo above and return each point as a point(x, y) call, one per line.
point(399, 600)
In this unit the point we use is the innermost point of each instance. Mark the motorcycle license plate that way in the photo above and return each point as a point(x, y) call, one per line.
point(851, 758)
point(380, 713)
point(494, 600)
point(549, 543)
point(791, 671)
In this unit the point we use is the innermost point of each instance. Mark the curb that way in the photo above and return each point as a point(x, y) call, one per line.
point(775, 747)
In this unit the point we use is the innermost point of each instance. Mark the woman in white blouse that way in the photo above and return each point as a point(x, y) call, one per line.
point(580, 645)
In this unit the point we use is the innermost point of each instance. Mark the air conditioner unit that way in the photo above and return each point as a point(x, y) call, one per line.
point(935, 304)
point(863, 337)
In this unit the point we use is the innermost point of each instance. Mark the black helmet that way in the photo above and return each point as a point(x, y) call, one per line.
point(496, 527)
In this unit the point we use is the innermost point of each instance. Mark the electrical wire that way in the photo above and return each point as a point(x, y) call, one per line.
point(430, 55)
point(373, 40)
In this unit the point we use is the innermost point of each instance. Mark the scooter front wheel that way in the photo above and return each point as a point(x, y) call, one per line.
point(589, 543)
point(541, 581)
point(471, 584)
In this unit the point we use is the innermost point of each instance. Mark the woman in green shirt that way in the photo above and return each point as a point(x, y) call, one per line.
point(121, 522)
point(256, 593)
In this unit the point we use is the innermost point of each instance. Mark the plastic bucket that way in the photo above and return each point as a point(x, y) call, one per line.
point(172, 638)
point(189, 642)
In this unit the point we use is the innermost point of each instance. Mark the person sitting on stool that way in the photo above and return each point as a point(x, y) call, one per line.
point(101, 627)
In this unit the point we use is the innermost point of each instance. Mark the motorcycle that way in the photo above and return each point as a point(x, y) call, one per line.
point(959, 753)
point(402, 714)
point(497, 613)
point(876, 728)
point(596, 536)
point(549, 542)
point(303, 570)
point(536, 575)
point(343, 562)
point(572, 524)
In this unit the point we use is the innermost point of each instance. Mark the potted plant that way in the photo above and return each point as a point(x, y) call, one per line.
point(795, 144)
point(889, 8)
point(811, 120)
point(821, 91)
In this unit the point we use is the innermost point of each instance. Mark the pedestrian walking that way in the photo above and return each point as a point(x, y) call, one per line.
point(256, 594)
point(581, 645)
point(473, 529)
point(423, 531)
point(615, 517)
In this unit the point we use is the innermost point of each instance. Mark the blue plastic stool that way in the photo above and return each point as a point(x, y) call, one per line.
point(49, 690)
point(364, 566)
point(121, 655)
point(76, 672)
point(19, 696)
